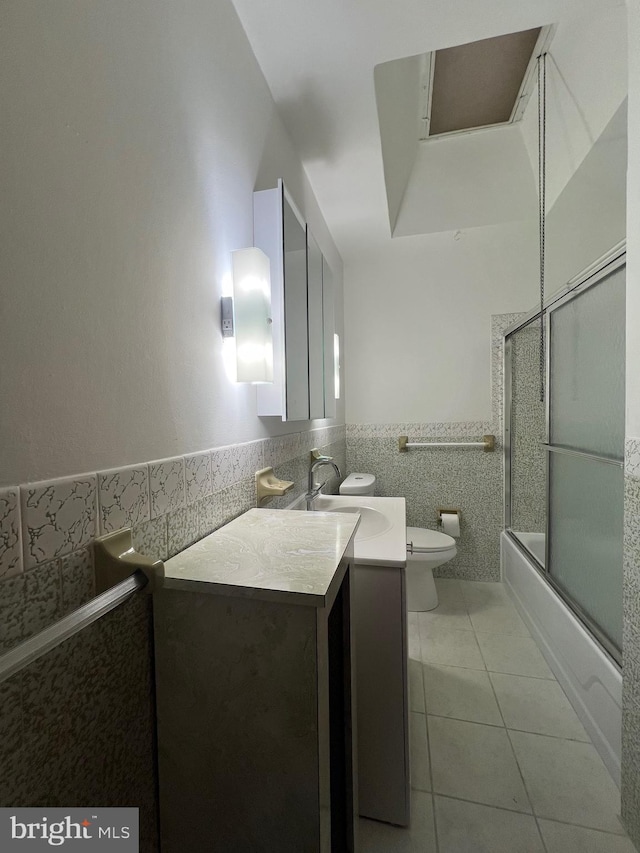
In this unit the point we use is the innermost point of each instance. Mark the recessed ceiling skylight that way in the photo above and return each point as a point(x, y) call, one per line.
point(479, 84)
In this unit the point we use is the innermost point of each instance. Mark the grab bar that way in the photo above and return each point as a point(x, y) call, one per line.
point(488, 444)
point(35, 647)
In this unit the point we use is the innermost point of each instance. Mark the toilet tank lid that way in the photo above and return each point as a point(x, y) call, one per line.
point(357, 484)
point(424, 539)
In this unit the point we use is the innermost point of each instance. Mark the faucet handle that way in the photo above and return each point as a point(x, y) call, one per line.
point(316, 455)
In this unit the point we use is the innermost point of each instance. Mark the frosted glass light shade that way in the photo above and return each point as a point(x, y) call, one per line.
point(252, 315)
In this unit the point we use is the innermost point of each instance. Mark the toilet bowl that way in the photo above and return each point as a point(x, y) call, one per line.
point(426, 549)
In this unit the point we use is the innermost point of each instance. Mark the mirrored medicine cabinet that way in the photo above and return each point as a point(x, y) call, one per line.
point(302, 311)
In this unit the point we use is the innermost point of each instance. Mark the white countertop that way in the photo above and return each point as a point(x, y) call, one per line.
point(389, 548)
point(276, 554)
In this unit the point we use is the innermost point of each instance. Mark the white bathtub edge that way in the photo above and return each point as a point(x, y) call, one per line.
point(590, 679)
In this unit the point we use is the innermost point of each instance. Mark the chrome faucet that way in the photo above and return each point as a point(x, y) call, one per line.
point(318, 460)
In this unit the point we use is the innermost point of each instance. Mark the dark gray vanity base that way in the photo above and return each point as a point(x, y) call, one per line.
point(255, 740)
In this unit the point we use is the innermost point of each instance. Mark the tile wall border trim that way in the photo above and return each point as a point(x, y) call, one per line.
point(50, 519)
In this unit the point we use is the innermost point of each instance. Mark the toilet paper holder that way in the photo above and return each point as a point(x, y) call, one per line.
point(449, 511)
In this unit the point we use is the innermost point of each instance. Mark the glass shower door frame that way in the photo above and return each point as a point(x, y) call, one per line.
point(604, 269)
point(507, 373)
point(605, 266)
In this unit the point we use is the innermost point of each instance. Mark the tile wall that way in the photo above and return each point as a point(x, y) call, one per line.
point(96, 688)
point(77, 725)
point(528, 434)
point(47, 529)
point(468, 479)
point(631, 644)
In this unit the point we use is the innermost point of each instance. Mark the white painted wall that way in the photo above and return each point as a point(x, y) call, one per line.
point(586, 83)
point(430, 297)
point(133, 135)
point(589, 216)
point(398, 93)
point(468, 181)
point(417, 319)
point(633, 226)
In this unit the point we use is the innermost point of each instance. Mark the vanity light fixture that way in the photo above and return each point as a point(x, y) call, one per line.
point(247, 315)
point(336, 365)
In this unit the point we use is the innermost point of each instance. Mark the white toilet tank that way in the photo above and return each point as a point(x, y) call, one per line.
point(358, 484)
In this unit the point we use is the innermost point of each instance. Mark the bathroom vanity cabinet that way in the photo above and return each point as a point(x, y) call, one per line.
point(255, 686)
point(380, 629)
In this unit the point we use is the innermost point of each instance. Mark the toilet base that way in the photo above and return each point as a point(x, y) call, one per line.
point(421, 588)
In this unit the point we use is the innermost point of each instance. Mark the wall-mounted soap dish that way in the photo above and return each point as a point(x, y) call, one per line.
point(269, 486)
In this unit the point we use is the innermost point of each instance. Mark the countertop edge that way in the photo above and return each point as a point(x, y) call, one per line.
point(273, 591)
point(308, 599)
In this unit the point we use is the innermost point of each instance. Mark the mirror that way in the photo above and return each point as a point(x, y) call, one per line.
point(316, 328)
point(302, 312)
point(281, 234)
point(296, 341)
point(329, 327)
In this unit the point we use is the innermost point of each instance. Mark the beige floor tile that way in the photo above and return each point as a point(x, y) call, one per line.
point(451, 603)
point(475, 762)
point(562, 838)
point(537, 705)
point(449, 593)
point(449, 647)
point(495, 614)
point(498, 617)
point(451, 610)
point(413, 641)
point(466, 694)
point(378, 837)
point(420, 775)
point(471, 828)
point(451, 584)
point(482, 592)
point(514, 655)
point(567, 781)
point(416, 687)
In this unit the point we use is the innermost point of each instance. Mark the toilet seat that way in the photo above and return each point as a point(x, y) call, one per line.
point(424, 541)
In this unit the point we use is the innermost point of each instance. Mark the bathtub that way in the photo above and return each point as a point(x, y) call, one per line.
point(591, 680)
point(535, 542)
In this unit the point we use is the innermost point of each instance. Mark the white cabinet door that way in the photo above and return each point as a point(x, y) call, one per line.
point(281, 234)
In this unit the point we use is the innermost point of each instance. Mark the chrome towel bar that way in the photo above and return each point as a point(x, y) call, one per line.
point(488, 444)
point(35, 647)
point(120, 572)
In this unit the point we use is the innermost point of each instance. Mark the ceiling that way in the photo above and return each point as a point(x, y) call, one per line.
point(318, 57)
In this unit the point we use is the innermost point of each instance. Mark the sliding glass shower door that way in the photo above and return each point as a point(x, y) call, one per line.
point(586, 451)
point(564, 454)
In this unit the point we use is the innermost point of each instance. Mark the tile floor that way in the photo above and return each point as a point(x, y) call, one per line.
point(500, 761)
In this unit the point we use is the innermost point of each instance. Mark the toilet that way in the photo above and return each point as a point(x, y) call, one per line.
point(426, 549)
point(358, 484)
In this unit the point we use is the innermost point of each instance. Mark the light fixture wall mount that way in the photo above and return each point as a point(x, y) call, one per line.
point(247, 316)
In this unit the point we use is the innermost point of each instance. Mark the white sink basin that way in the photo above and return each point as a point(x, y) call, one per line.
point(381, 537)
point(372, 521)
